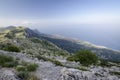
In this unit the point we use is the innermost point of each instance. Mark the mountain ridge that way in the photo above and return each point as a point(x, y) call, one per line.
point(37, 49)
point(72, 45)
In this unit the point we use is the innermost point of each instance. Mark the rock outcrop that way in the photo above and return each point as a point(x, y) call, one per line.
point(73, 74)
point(6, 74)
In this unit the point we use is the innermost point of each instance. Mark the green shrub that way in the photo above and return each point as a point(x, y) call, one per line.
point(70, 58)
point(57, 63)
point(10, 64)
point(41, 58)
point(11, 48)
point(104, 63)
point(23, 75)
point(32, 67)
point(20, 68)
point(85, 57)
point(115, 73)
point(7, 61)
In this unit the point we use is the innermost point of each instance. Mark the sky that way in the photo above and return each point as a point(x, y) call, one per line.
point(97, 21)
point(49, 12)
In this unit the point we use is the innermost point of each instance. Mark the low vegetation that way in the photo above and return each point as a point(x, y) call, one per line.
point(85, 57)
point(82, 68)
point(32, 77)
point(24, 69)
point(11, 48)
point(23, 75)
point(7, 61)
point(57, 63)
point(20, 68)
point(32, 67)
point(115, 73)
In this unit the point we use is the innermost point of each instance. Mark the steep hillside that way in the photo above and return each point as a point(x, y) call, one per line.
point(30, 37)
point(28, 42)
point(27, 54)
point(73, 45)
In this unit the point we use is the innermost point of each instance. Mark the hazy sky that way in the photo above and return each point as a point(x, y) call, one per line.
point(97, 21)
point(49, 12)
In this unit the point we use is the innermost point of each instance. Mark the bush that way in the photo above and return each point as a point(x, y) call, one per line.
point(104, 63)
point(42, 58)
point(32, 67)
point(57, 63)
point(11, 48)
point(20, 68)
point(23, 75)
point(70, 58)
point(85, 57)
point(7, 61)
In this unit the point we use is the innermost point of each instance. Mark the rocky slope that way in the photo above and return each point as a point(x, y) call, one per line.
point(36, 48)
point(48, 71)
point(29, 43)
point(67, 44)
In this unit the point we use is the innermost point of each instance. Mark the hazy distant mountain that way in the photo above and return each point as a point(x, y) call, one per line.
point(72, 46)
point(106, 35)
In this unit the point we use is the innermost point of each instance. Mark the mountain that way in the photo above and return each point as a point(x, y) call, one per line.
point(66, 44)
point(29, 42)
point(27, 54)
point(74, 45)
